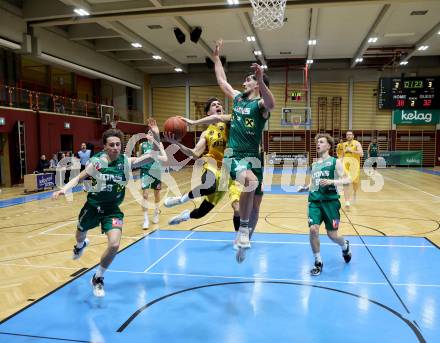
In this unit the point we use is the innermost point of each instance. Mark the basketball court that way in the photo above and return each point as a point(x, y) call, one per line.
point(182, 283)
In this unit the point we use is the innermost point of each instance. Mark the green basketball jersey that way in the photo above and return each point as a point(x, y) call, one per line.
point(247, 124)
point(373, 150)
point(146, 147)
point(108, 186)
point(323, 170)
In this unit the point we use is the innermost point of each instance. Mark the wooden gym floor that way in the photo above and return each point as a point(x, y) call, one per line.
point(37, 236)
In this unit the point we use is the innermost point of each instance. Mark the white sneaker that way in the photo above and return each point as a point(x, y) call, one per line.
point(146, 224)
point(235, 243)
point(156, 216)
point(347, 205)
point(98, 286)
point(77, 252)
point(243, 238)
point(171, 201)
point(184, 216)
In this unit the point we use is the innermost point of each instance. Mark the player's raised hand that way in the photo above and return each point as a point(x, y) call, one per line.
point(169, 137)
point(258, 71)
point(153, 126)
point(218, 47)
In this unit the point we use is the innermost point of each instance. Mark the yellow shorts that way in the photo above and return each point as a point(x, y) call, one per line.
point(352, 168)
point(233, 187)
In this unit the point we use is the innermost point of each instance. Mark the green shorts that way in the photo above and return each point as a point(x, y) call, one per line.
point(150, 179)
point(326, 211)
point(240, 162)
point(91, 217)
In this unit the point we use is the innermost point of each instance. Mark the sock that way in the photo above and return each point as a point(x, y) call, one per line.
point(317, 257)
point(100, 272)
point(184, 198)
point(236, 220)
point(80, 245)
point(345, 246)
point(244, 224)
point(156, 208)
point(146, 215)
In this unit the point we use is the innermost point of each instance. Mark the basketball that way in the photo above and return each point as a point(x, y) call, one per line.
point(176, 126)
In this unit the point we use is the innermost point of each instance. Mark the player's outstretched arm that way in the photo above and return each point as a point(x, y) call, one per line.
point(220, 72)
point(196, 152)
point(72, 183)
point(212, 119)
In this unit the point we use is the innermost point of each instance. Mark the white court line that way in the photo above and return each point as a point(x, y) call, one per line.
point(417, 189)
point(169, 252)
point(183, 240)
point(35, 266)
point(307, 281)
point(148, 237)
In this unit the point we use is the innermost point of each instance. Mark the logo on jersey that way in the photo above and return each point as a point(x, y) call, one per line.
point(249, 122)
point(116, 222)
point(335, 223)
point(97, 165)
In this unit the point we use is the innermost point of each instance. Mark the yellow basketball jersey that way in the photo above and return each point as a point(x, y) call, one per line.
point(340, 150)
point(352, 145)
point(216, 138)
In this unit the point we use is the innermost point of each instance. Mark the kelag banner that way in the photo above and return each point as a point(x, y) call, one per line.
point(416, 117)
point(402, 158)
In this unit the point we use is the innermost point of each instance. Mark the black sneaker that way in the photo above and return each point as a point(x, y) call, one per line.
point(77, 252)
point(98, 286)
point(346, 254)
point(317, 268)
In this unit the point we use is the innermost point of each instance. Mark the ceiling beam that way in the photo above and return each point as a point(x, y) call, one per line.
point(115, 44)
point(434, 30)
point(135, 9)
point(313, 31)
point(148, 47)
point(249, 30)
point(373, 29)
point(135, 55)
point(90, 31)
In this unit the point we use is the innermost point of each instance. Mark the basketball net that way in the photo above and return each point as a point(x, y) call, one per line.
point(268, 14)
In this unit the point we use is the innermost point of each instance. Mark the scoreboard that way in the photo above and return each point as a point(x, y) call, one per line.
point(409, 93)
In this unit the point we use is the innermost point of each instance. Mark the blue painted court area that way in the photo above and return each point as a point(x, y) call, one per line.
point(185, 286)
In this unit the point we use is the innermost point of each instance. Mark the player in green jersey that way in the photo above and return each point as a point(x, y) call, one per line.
point(150, 179)
point(373, 152)
point(109, 170)
point(323, 200)
point(243, 157)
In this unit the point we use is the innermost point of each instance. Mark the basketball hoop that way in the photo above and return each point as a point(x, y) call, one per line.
point(268, 14)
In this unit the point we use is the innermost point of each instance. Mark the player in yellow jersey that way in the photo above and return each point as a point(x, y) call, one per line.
point(352, 166)
point(340, 148)
point(214, 138)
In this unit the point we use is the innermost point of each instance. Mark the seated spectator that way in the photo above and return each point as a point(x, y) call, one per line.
point(53, 162)
point(42, 164)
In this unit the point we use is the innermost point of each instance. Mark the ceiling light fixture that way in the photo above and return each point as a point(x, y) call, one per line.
point(359, 59)
point(157, 57)
point(423, 47)
point(309, 61)
point(312, 42)
point(136, 45)
point(250, 38)
point(372, 40)
point(403, 63)
point(81, 11)
point(178, 70)
point(233, 2)
point(257, 53)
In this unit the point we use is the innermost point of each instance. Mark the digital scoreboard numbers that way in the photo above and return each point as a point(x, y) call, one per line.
point(409, 93)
